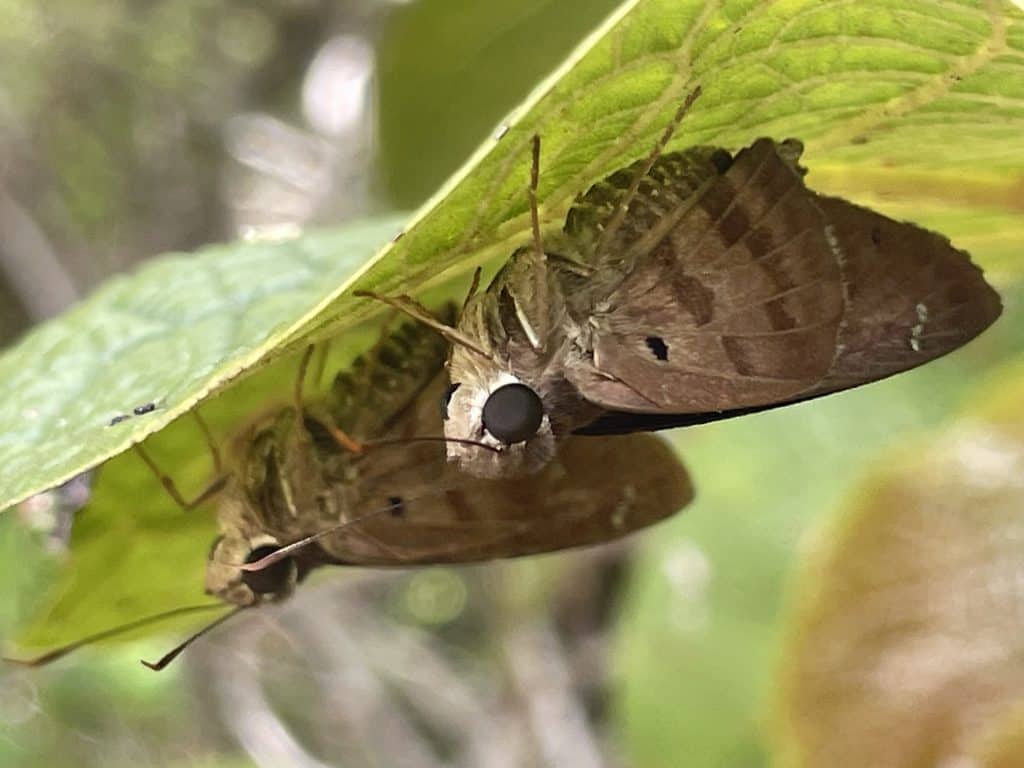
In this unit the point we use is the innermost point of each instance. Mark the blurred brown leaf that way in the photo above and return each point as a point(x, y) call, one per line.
point(907, 643)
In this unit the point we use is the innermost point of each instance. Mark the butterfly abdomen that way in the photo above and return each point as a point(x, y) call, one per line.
point(366, 399)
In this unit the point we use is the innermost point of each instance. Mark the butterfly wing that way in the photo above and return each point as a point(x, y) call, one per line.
point(592, 492)
point(912, 296)
point(759, 292)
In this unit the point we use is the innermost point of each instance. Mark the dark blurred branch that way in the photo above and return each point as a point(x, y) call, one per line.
point(29, 265)
point(541, 673)
point(487, 730)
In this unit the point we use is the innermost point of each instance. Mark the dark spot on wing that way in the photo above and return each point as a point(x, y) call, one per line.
point(658, 347)
point(397, 506)
point(876, 236)
point(695, 297)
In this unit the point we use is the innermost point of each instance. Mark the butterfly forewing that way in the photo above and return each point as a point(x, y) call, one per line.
point(738, 304)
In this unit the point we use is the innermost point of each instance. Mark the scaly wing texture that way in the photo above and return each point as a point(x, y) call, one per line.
point(593, 491)
point(911, 296)
point(736, 302)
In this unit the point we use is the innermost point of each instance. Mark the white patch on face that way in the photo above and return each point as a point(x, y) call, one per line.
point(623, 507)
point(466, 422)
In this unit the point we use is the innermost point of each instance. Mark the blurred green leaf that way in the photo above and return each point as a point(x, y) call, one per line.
point(452, 67)
point(905, 643)
point(177, 330)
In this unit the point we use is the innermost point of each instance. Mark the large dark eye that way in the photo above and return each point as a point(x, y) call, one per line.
point(273, 578)
point(513, 413)
point(447, 398)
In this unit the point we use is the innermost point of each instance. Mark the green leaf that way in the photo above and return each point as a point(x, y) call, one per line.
point(905, 645)
point(173, 333)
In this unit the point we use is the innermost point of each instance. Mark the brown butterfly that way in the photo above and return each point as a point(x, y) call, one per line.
point(360, 477)
point(694, 286)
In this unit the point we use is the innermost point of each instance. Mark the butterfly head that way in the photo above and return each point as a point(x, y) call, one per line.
point(504, 413)
point(227, 581)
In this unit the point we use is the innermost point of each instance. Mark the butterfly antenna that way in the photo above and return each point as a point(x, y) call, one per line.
point(432, 439)
point(395, 504)
point(474, 285)
point(289, 549)
point(420, 314)
point(59, 653)
point(538, 245)
point(622, 207)
point(171, 655)
point(537, 330)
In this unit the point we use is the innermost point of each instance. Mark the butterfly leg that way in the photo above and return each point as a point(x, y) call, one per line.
point(211, 490)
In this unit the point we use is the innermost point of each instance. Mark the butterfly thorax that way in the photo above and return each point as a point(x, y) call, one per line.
point(285, 484)
point(535, 320)
point(522, 324)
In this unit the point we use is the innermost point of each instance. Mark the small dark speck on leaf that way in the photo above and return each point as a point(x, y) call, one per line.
point(119, 418)
point(142, 410)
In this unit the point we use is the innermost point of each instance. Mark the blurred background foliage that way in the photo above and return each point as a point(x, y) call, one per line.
point(131, 129)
